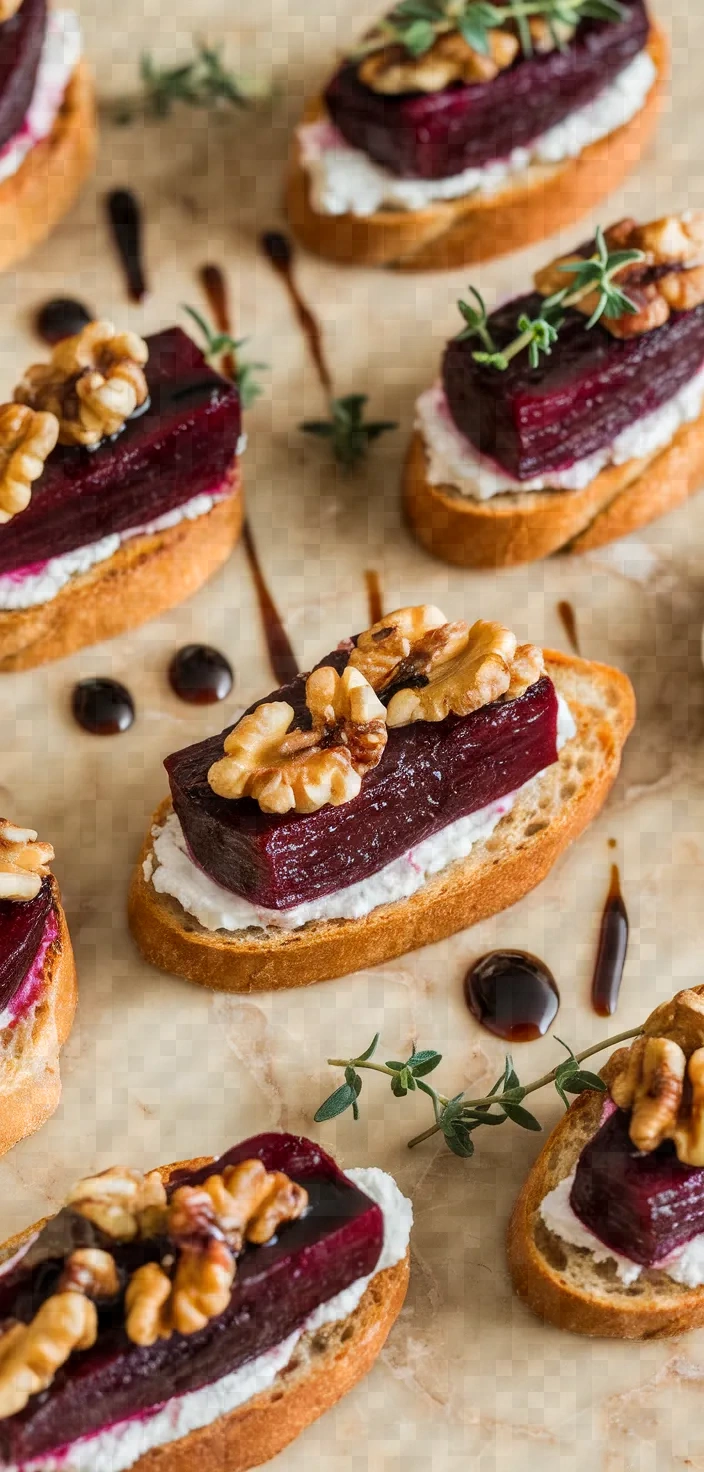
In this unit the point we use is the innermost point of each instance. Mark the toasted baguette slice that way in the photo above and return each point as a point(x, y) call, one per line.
point(529, 525)
point(39, 194)
point(459, 232)
point(324, 1366)
point(30, 1082)
point(565, 1284)
point(142, 579)
point(523, 848)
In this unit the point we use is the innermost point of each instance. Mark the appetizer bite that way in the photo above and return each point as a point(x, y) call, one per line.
point(424, 776)
point(37, 984)
point(460, 131)
point(607, 1236)
point(214, 1307)
point(47, 122)
point(119, 489)
point(571, 415)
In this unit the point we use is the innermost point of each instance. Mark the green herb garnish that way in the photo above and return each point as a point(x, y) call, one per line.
point(417, 24)
point(221, 344)
point(204, 82)
point(346, 430)
point(457, 1118)
point(538, 334)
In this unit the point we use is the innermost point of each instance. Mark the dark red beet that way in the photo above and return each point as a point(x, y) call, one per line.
point(643, 1206)
point(429, 775)
point(183, 445)
point(21, 41)
point(436, 135)
point(277, 1287)
point(593, 386)
point(22, 925)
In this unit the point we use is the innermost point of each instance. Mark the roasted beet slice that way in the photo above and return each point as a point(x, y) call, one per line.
point(593, 386)
point(21, 41)
point(436, 135)
point(430, 775)
point(183, 445)
point(22, 925)
point(337, 1241)
point(643, 1206)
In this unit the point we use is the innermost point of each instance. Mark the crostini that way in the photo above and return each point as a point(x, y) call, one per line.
point(212, 1307)
point(37, 984)
point(119, 489)
point(455, 135)
point(607, 1235)
point(47, 122)
point(425, 775)
point(571, 415)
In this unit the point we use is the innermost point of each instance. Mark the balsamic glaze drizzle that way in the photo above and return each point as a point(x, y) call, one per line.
point(612, 949)
point(125, 216)
point(512, 994)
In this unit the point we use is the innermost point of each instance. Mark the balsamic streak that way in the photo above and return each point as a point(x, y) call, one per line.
point(125, 215)
point(611, 954)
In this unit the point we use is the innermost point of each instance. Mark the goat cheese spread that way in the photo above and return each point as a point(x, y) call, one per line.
point(60, 56)
point(685, 1266)
point(346, 180)
point(452, 460)
point(119, 1446)
point(172, 871)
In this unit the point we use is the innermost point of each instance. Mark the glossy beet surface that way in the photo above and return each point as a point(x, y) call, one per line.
point(436, 135)
point(22, 925)
point(21, 41)
point(277, 1287)
point(593, 386)
point(430, 775)
point(183, 445)
point(641, 1205)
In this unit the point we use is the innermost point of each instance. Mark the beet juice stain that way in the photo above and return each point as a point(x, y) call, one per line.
point(512, 994)
point(61, 317)
point(125, 216)
point(279, 251)
point(103, 707)
point(611, 954)
point(375, 599)
point(568, 619)
point(200, 675)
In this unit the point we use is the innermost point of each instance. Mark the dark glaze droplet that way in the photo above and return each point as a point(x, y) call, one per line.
point(103, 707)
point(200, 675)
point(512, 994)
point(568, 618)
point(279, 251)
point(612, 843)
point(61, 317)
point(375, 598)
point(278, 248)
point(613, 946)
point(125, 215)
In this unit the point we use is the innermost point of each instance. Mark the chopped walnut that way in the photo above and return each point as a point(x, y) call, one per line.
point(26, 441)
point(201, 1288)
point(476, 675)
point(397, 643)
point(92, 383)
point(122, 1203)
point(24, 862)
point(91, 1271)
point(527, 668)
point(681, 1019)
point(287, 770)
point(31, 1354)
point(392, 70)
point(661, 1079)
point(250, 1204)
point(148, 1291)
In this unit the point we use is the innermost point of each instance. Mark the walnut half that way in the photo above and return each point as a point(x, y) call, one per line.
point(92, 383)
point(24, 862)
point(31, 1354)
point(660, 1078)
point(122, 1203)
point(27, 438)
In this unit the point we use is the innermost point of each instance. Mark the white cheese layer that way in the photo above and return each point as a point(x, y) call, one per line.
point(118, 1447)
point(685, 1266)
point(28, 588)
point(452, 460)
point(60, 56)
point(346, 180)
point(172, 871)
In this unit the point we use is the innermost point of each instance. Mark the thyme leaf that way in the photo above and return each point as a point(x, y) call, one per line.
point(346, 429)
point(203, 82)
point(416, 24)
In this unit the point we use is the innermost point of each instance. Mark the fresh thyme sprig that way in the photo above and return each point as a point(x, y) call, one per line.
point(204, 82)
point(538, 334)
point(457, 1117)
point(346, 430)
point(218, 345)
point(417, 24)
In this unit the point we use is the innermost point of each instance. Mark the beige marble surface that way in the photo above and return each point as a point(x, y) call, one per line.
point(157, 1069)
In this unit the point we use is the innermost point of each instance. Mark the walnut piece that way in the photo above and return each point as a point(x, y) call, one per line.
point(475, 675)
point(27, 439)
point(92, 383)
point(302, 771)
point(396, 644)
point(148, 1291)
point(251, 1203)
point(661, 1079)
point(122, 1203)
point(23, 862)
point(91, 1271)
point(31, 1354)
point(391, 70)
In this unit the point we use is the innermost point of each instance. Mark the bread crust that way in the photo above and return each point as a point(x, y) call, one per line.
point(341, 1356)
point(146, 575)
point(31, 1086)
point(39, 194)
point(461, 896)
point(530, 525)
point(460, 232)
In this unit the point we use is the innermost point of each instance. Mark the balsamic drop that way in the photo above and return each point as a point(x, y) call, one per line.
point(278, 248)
point(125, 215)
point(512, 994)
point(611, 955)
point(61, 317)
point(103, 707)
point(200, 675)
